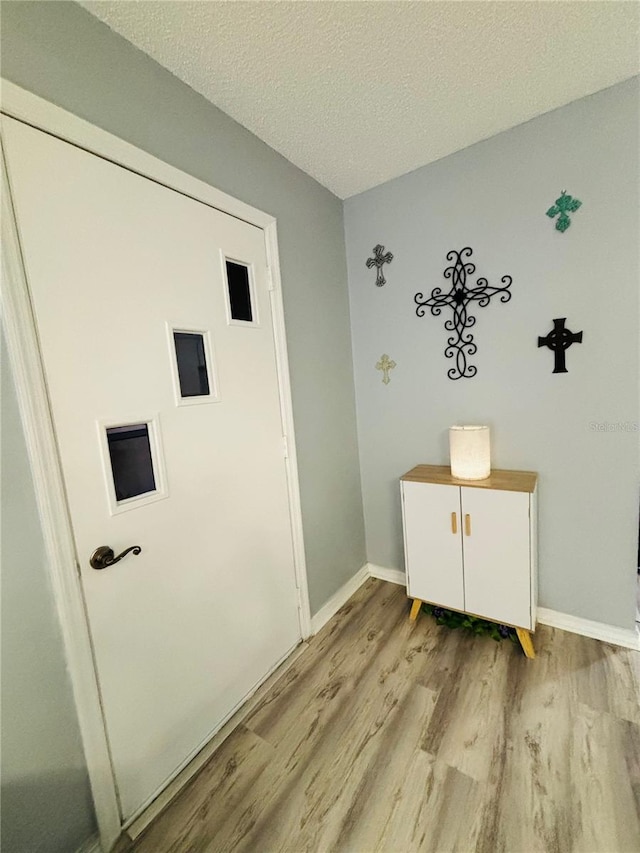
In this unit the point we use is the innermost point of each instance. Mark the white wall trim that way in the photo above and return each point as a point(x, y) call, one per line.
point(41, 443)
point(91, 845)
point(331, 607)
point(341, 596)
point(626, 637)
point(383, 574)
point(286, 412)
point(25, 106)
point(33, 403)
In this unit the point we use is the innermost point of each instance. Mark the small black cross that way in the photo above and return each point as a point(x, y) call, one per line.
point(559, 340)
point(377, 261)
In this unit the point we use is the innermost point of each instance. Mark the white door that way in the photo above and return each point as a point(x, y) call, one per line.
point(433, 551)
point(497, 562)
point(164, 394)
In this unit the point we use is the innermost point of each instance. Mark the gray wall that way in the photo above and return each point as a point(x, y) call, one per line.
point(46, 802)
point(60, 52)
point(64, 54)
point(493, 197)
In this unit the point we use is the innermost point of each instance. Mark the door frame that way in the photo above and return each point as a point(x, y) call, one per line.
point(25, 359)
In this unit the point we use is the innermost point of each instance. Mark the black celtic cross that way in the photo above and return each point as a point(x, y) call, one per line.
point(377, 261)
point(559, 340)
point(461, 345)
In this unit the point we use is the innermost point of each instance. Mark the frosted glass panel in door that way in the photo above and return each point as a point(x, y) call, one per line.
point(193, 375)
point(131, 461)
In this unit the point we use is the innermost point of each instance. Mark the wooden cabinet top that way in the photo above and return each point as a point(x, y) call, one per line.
point(505, 481)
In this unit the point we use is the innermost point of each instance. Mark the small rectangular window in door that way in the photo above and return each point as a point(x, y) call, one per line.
point(192, 365)
point(131, 461)
point(240, 292)
point(193, 376)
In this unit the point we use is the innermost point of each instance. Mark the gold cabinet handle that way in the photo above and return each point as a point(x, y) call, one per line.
point(467, 524)
point(454, 522)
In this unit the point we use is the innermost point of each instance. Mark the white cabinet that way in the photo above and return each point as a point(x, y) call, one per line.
point(470, 546)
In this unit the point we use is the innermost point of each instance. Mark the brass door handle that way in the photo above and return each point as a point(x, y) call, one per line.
point(454, 522)
point(467, 524)
point(103, 557)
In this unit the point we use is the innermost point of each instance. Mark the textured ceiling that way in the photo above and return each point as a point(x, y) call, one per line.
point(356, 93)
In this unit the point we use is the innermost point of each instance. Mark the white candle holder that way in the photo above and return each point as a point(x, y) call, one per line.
point(470, 452)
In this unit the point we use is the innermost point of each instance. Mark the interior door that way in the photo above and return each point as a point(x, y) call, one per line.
point(154, 320)
point(497, 560)
point(432, 543)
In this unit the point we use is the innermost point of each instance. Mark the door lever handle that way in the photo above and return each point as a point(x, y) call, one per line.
point(103, 557)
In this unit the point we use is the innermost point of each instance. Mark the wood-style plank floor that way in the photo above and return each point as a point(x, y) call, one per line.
point(393, 736)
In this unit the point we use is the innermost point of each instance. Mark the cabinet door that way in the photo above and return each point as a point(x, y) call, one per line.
point(496, 555)
point(433, 550)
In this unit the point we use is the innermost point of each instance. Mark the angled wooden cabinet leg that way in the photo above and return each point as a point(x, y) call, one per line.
point(415, 609)
point(526, 642)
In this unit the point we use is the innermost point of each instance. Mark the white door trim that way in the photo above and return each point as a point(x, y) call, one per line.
point(24, 354)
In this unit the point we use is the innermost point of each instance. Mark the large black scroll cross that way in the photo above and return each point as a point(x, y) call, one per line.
point(461, 345)
point(559, 340)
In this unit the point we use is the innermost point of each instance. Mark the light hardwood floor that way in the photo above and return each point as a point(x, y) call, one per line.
point(397, 736)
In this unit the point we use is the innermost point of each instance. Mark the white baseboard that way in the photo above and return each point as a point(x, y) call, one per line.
point(391, 575)
point(626, 637)
point(91, 845)
point(369, 570)
point(331, 607)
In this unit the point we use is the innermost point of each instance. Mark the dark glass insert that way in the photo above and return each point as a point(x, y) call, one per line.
point(192, 364)
point(239, 291)
point(131, 462)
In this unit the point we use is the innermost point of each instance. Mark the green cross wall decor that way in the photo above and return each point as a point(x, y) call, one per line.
point(564, 205)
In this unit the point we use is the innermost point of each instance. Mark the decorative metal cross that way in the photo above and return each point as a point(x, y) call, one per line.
point(559, 340)
point(377, 261)
point(461, 345)
point(564, 205)
point(385, 365)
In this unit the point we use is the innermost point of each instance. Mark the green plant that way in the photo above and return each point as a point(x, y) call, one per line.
point(480, 627)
